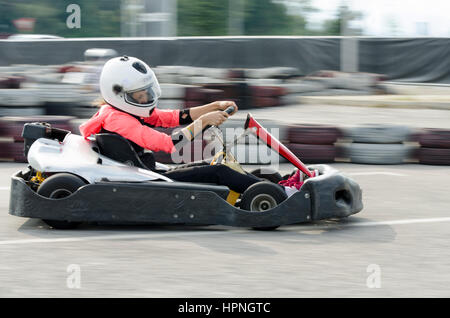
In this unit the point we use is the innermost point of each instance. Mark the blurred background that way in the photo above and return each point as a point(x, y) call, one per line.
point(360, 85)
point(125, 18)
point(280, 58)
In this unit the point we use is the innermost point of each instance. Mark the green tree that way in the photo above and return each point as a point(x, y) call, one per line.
point(260, 17)
point(202, 17)
point(340, 24)
point(98, 18)
point(264, 17)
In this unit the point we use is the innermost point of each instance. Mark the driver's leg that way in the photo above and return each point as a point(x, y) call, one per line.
point(218, 174)
point(192, 164)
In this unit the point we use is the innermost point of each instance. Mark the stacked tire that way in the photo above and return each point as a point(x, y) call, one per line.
point(238, 92)
point(434, 146)
point(314, 143)
point(11, 140)
point(266, 96)
point(377, 144)
point(20, 102)
point(172, 96)
point(248, 149)
point(196, 96)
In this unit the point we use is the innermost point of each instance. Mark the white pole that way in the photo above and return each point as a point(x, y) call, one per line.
point(349, 46)
point(235, 17)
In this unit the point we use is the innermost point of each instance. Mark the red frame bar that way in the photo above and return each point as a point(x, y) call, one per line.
point(276, 145)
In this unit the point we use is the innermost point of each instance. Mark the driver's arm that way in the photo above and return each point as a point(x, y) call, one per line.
point(188, 133)
point(197, 112)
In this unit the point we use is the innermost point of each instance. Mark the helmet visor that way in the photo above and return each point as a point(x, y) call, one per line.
point(143, 97)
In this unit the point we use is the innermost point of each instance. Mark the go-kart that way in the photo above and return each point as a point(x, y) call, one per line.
point(71, 180)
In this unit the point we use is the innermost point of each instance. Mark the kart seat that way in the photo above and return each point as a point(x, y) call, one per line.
point(119, 149)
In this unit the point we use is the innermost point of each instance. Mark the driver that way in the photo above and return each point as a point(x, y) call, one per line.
point(130, 91)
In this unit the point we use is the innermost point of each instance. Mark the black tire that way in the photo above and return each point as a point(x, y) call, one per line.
point(59, 186)
point(262, 196)
point(271, 176)
point(383, 154)
point(378, 134)
point(313, 134)
point(314, 153)
point(434, 156)
point(434, 138)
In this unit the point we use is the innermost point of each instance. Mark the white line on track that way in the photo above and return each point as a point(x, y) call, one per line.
point(196, 233)
point(111, 237)
point(4, 188)
point(376, 173)
point(397, 222)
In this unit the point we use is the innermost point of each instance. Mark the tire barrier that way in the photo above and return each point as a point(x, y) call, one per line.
point(344, 80)
point(265, 101)
point(435, 146)
point(74, 87)
point(69, 109)
point(203, 95)
point(434, 138)
point(12, 146)
point(377, 144)
point(314, 153)
point(384, 154)
point(379, 134)
point(21, 111)
point(12, 151)
point(173, 91)
point(170, 103)
point(4, 82)
point(35, 90)
point(12, 126)
point(267, 91)
point(11, 82)
point(313, 134)
point(434, 156)
point(313, 143)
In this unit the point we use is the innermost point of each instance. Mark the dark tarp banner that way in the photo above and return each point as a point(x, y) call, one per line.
point(401, 59)
point(416, 60)
point(306, 54)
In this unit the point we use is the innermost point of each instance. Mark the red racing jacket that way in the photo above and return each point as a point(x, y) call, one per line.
point(129, 127)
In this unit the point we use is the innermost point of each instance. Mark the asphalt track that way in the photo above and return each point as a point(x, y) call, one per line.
point(396, 247)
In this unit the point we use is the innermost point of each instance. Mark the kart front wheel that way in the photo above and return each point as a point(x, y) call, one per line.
point(262, 196)
point(60, 186)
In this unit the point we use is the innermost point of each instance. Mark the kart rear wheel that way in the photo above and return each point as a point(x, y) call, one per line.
point(270, 175)
point(60, 186)
point(262, 196)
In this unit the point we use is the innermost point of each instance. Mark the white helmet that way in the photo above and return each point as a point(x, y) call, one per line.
point(120, 80)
